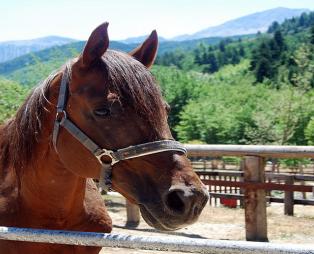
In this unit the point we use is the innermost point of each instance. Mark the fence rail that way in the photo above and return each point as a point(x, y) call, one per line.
point(254, 185)
point(253, 180)
point(251, 150)
point(150, 243)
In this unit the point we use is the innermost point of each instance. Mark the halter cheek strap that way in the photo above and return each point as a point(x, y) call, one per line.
point(115, 156)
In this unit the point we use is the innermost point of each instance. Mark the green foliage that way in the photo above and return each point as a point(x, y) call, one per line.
point(273, 27)
point(312, 35)
point(230, 110)
point(267, 57)
point(294, 163)
point(207, 58)
point(11, 97)
point(220, 113)
point(296, 24)
point(309, 132)
point(301, 67)
point(178, 88)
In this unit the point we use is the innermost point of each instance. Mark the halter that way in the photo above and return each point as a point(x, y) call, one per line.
point(99, 152)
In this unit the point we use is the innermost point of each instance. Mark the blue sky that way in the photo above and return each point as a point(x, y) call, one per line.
point(22, 19)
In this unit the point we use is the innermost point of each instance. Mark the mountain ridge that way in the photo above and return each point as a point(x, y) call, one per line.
point(248, 24)
point(15, 48)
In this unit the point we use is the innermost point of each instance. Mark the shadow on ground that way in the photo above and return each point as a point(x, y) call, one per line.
point(159, 232)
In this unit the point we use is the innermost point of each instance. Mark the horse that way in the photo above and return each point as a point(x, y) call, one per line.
point(101, 112)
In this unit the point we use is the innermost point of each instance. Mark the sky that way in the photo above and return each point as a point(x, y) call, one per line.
point(27, 19)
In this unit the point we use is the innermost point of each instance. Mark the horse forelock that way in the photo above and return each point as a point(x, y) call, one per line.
point(134, 83)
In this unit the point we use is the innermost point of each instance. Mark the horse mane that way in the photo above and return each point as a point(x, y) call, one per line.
point(20, 134)
point(133, 83)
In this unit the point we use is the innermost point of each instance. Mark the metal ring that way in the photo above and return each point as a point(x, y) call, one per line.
point(60, 116)
point(108, 153)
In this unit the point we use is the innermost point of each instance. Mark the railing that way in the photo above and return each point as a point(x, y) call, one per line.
point(254, 202)
point(183, 244)
point(229, 185)
point(253, 164)
point(251, 150)
point(254, 184)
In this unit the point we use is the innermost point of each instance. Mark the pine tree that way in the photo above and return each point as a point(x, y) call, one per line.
point(263, 69)
point(213, 65)
point(275, 50)
point(273, 27)
point(262, 62)
point(278, 38)
point(241, 51)
point(302, 19)
point(222, 46)
point(312, 35)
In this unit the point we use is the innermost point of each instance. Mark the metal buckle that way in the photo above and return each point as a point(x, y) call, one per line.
point(60, 116)
point(108, 153)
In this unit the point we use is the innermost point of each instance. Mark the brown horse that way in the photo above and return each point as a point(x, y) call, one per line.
point(114, 100)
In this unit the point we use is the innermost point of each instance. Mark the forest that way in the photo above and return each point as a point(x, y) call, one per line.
point(246, 90)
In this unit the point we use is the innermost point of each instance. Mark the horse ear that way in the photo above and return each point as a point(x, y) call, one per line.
point(146, 53)
point(96, 45)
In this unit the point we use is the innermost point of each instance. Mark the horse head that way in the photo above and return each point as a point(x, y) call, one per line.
point(115, 101)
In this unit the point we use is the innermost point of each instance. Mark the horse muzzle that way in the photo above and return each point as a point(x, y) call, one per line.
point(179, 206)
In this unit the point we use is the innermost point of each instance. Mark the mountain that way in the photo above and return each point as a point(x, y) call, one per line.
point(30, 68)
point(13, 49)
point(140, 39)
point(249, 24)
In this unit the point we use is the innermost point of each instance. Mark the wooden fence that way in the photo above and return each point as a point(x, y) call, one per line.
point(227, 187)
point(254, 182)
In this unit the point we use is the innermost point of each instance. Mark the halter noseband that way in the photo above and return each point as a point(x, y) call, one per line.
point(115, 156)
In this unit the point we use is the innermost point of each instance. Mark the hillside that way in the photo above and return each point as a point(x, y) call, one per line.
point(12, 49)
point(249, 24)
point(31, 68)
point(245, 25)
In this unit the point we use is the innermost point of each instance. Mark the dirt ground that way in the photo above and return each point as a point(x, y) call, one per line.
point(220, 223)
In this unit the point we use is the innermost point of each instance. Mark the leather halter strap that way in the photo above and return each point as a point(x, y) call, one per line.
point(121, 154)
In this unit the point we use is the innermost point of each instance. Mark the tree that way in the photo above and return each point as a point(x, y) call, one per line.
point(11, 97)
point(222, 46)
point(312, 35)
point(261, 62)
point(263, 70)
point(241, 51)
point(302, 72)
point(212, 63)
point(302, 19)
point(309, 132)
point(279, 40)
point(178, 87)
point(273, 27)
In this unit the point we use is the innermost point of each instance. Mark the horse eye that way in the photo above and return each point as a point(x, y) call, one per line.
point(102, 112)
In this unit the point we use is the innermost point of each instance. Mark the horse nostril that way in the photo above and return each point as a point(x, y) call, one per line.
point(196, 211)
point(175, 202)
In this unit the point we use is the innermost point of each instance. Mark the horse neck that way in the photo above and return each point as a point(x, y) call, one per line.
point(47, 188)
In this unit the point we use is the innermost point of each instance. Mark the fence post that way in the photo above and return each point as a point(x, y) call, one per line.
point(132, 214)
point(255, 200)
point(289, 199)
point(241, 179)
